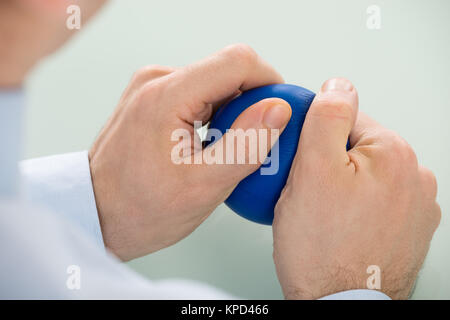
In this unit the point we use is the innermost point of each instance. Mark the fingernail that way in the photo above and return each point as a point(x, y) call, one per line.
point(337, 84)
point(277, 116)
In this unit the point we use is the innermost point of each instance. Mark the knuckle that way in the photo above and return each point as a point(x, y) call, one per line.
point(433, 217)
point(408, 153)
point(398, 150)
point(393, 141)
point(438, 216)
point(241, 53)
point(140, 74)
point(149, 93)
point(151, 71)
point(405, 151)
point(157, 69)
point(430, 180)
point(150, 88)
point(433, 182)
point(395, 158)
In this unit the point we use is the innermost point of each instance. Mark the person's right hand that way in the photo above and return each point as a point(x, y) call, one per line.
point(146, 200)
point(342, 212)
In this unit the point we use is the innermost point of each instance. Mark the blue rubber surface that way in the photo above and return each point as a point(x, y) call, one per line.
point(256, 196)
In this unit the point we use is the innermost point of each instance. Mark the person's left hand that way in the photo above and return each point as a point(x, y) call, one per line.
point(145, 200)
point(31, 30)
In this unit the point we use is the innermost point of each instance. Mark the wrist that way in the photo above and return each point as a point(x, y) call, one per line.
point(112, 212)
point(324, 283)
point(319, 281)
point(101, 199)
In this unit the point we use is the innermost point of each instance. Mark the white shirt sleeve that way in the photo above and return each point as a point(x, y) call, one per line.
point(360, 294)
point(63, 184)
point(44, 256)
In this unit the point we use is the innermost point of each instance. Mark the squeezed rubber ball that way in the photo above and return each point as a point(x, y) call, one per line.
point(256, 196)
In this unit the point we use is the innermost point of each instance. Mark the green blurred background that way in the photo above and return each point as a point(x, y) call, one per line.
point(402, 72)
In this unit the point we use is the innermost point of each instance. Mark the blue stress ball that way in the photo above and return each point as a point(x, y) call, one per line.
point(255, 197)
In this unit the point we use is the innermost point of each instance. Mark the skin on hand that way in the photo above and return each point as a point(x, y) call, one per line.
point(33, 29)
point(342, 212)
point(339, 212)
point(146, 201)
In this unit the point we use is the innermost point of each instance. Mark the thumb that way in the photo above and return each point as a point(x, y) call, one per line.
point(329, 121)
point(244, 147)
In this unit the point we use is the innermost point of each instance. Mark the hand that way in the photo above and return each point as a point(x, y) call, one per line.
point(32, 29)
point(146, 201)
point(341, 212)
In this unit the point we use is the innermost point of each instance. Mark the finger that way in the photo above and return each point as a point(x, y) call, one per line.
point(211, 108)
point(428, 182)
point(140, 78)
point(216, 105)
point(329, 121)
point(240, 153)
point(235, 68)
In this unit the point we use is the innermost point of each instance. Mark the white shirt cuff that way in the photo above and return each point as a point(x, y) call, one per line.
point(360, 294)
point(63, 184)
